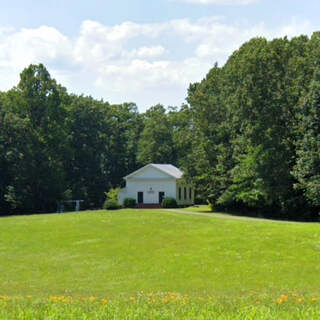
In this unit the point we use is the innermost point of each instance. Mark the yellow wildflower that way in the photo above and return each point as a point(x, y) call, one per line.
point(283, 298)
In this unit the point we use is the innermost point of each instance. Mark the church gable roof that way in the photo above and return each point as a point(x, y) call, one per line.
point(168, 169)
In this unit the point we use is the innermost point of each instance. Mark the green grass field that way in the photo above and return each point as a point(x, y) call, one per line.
point(157, 264)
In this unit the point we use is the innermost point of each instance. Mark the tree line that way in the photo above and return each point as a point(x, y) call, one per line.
point(257, 123)
point(55, 145)
point(248, 137)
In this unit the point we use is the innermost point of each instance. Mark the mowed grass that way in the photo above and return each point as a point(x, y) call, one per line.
point(118, 255)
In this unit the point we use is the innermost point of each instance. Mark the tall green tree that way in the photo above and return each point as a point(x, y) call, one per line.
point(307, 168)
point(35, 115)
point(156, 142)
point(103, 146)
point(211, 158)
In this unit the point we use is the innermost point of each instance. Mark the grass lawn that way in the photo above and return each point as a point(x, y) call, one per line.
point(152, 254)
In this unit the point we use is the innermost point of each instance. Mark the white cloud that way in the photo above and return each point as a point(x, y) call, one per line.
point(146, 52)
point(144, 63)
point(17, 49)
point(220, 2)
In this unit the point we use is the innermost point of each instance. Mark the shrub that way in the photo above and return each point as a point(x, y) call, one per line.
point(112, 193)
point(129, 203)
point(111, 204)
point(169, 203)
point(211, 205)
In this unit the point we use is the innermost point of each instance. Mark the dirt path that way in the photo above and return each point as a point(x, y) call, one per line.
point(228, 216)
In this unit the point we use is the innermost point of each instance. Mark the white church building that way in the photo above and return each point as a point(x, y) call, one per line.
point(152, 183)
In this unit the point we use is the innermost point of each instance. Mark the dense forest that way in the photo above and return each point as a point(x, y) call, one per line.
point(248, 137)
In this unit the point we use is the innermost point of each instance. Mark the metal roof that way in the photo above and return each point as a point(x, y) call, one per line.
point(169, 169)
point(166, 168)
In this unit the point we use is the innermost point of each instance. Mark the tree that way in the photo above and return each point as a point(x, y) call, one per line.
point(102, 139)
point(35, 112)
point(209, 162)
point(307, 168)
point(156, 141)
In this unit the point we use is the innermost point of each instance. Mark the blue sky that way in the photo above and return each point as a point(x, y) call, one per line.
point(137, 50)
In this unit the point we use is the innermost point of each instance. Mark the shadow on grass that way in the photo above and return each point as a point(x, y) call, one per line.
point(204, 209)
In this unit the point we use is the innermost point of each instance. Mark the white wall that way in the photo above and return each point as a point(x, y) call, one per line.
point(150, 178)
point(185, 201)
point(168, 186)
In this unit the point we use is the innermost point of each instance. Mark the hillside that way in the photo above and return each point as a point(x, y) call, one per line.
point(124, 252)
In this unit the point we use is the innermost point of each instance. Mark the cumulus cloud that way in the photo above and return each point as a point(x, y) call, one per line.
point(146, 52)
point(145, 63)
point(45, 43)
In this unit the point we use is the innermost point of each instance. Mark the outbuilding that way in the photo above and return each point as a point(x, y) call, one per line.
point(152, 183)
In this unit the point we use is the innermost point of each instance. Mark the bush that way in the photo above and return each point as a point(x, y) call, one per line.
point(112, 193)
point(129, 203)
point(211, 205)
point(111, 204)
point(169, 203)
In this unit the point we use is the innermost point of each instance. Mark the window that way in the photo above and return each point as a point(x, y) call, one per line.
point(185, 193)
point(190, 193)
point(180, 193)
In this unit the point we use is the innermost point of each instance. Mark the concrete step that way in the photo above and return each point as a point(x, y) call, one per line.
point(148, 206)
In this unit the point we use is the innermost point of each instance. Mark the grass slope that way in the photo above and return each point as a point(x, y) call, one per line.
point(124, 252)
